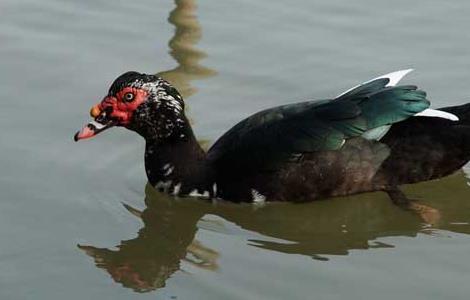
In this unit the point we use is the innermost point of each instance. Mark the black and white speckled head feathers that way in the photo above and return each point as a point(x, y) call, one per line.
point(143, 103)
point(161, 116)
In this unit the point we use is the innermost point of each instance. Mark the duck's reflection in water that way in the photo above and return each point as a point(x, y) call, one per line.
point(319, 229)
point(167, 238)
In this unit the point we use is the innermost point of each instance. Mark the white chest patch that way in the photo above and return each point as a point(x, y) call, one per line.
point(195, 193)
point(257, 197)
point(168, 171)
point(163, 185)
point(176, 189)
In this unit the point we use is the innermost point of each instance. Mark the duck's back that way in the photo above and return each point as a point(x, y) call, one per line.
point(313, 149)
point(426, 148)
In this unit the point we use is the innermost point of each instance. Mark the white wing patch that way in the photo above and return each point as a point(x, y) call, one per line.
point(376, 133)
point(437, 114)
point(379, 132)
point(393, 77)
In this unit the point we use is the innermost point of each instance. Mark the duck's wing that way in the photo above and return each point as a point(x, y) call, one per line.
point(271, 137)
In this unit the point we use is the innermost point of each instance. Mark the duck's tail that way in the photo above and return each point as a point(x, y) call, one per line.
point(461, 111)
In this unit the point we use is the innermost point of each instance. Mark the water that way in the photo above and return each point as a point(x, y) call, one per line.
point(229, 59)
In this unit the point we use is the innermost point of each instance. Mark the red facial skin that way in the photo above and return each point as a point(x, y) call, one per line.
point(122, 109)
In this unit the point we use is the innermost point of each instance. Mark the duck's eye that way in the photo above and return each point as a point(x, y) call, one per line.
point(128, 97)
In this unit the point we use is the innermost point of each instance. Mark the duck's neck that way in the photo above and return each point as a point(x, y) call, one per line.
point(177, 164)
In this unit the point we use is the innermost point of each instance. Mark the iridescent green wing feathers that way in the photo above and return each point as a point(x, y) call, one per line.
point(271, 137)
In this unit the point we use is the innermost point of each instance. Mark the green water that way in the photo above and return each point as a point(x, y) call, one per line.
point(64, 231)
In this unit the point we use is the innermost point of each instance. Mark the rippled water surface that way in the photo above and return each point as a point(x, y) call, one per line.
point(64, 231)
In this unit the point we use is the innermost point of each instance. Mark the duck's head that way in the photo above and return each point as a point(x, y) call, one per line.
point(143, 103)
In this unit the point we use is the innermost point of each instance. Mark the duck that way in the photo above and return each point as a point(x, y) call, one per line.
point(376, 136)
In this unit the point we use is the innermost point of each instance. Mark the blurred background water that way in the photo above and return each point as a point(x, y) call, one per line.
point(229, 59)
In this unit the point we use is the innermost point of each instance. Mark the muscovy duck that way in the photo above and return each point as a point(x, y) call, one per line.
point(373, 137)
